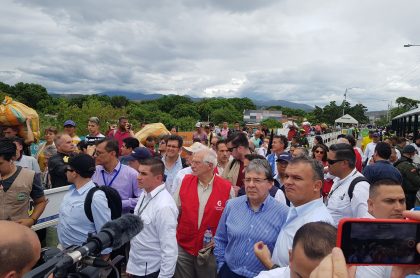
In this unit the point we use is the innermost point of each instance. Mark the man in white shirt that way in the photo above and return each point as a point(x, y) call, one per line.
point(312, 242)
point(25, 161)
point(341, 164)
point(154, 250)
point(386, 201)
point(304, 180)
point(370, 148)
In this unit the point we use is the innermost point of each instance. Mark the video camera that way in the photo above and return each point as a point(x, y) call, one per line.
point(91, 140)
point(85, 261)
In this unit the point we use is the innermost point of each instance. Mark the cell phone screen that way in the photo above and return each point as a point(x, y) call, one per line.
point(380, 243)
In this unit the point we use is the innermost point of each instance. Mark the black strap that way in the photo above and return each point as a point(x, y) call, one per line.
point(88, 202)
point(353, 184)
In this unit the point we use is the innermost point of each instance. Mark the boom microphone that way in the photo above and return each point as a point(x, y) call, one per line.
point(113, 234)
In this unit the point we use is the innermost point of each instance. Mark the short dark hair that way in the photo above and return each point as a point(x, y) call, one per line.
point(383, 150)
point(239, 139)
point(131, 142)
point(344, 152)
point(18, 140)
point(222, 141)
point(283, 139)
point(7, 149)
point(252, 156)
point(373, 189)
point(122, 118)
point(174, 137)
point(316, 166)
point(316, 238)
point(151, 138)
point(351, 140)
point(319, 139)
point(51, 129)
point(156, 165)
point(110, 145)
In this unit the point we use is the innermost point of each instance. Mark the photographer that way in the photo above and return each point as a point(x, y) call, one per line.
point(20, 249)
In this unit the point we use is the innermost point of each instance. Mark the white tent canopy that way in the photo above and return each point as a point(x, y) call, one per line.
point(347, 119)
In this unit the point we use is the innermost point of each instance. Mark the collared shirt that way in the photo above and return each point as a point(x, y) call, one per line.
point(178, 179)
point(125, 183)
point(240, 227)
point(74, 226)
point(312, 211)
point(338, 202)
point(280, 272)
point(171, 173)
point(369, 151)
point(382, 169)
point(28, 162)
point(155, 247)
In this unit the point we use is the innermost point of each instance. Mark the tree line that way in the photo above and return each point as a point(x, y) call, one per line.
point(172, 110)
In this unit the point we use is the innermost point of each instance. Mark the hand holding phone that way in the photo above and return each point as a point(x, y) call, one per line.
point(379, 241)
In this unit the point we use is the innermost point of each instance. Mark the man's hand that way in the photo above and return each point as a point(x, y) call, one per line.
point(263, 254)
point(28, 222)
point(90, 150)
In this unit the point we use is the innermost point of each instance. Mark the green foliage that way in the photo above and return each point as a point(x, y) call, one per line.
point(332, 111)
point(185, 110)
point(271, 123)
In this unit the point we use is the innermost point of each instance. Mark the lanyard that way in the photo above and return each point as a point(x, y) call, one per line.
point(103, 176)
point(139, 212)
point(332, 191)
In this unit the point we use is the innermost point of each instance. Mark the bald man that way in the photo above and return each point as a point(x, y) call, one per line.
point(20, 249)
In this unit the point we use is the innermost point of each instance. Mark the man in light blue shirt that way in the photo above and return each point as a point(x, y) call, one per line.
point(74, 226)
point(246, 220)
point(303, 184)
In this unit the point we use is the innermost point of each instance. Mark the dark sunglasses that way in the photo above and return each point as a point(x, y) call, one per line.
point(332, 161)
point(319, 151)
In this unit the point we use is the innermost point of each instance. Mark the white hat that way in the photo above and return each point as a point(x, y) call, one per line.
point(198, 124)
point(197, 146)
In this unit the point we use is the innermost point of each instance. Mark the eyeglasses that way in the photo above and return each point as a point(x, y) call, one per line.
point(332, 161)
point(255, 181)
point(69, 170)
point(321, 152)
point(231, 149)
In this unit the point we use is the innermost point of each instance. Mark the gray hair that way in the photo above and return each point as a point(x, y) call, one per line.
point(94, 120)
point(304, 150)
point(260, 166)
point(209, 156)
point(50, 150)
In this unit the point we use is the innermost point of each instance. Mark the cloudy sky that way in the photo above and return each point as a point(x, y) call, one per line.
point(297, 50)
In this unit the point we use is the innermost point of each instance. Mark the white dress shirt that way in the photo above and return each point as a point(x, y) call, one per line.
point(312, 211)
point(178, 179)
point(155, 247)
point(280, 272)
point(369, 151)
point(338, 202)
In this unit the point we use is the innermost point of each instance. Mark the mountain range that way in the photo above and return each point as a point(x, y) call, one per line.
point(139, 96)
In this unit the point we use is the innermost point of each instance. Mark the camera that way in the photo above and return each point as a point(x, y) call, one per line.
point(90, 140)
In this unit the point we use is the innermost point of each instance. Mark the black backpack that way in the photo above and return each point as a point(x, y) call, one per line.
point(114, 201)
point(353, 184)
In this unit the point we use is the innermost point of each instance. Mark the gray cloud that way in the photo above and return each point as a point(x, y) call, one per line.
point(302, 51)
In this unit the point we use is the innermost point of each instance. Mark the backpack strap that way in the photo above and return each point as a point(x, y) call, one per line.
point(88, 202)
point(353, 184)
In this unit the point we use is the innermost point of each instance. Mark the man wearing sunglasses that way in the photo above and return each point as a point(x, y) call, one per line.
point(340, 204)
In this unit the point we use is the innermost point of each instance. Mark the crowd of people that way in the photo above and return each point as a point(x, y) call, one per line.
point(235, 203)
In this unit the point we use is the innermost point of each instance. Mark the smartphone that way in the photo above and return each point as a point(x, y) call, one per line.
point(367, 241)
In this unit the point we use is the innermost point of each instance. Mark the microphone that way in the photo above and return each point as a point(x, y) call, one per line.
point(113, 234)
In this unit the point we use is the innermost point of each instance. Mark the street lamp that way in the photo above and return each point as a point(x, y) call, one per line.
point(345, 96)
point(410, 45)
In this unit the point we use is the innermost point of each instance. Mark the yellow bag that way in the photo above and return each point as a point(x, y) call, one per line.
point(13, 113)
point(156, 129)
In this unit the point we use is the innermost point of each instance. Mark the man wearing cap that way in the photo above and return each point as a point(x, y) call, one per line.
point(370, 148)
point(70, 129)
point(137, 156)
point(74, 226)
point(410, 174)
point(186, 171)
point(93, 128)
point(279, 144)
point(282, 162)
point(199, 133)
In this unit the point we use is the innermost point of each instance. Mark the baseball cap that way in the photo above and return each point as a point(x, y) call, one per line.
point(409, 149)
point(84, 164)
point(139, 153)
point(285, 156)
point(198, 124)
point(197, 146)
point(69, 122)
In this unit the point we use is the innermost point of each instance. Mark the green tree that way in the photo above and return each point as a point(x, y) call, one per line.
point(119, 101)
point(271, 123)
point(30, 94)
point(358, 112)
point(225, 115)
point(167, 103)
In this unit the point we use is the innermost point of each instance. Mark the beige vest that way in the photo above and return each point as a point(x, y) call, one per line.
point(14, 204)
point(231, 172)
